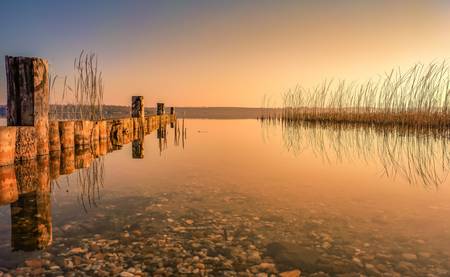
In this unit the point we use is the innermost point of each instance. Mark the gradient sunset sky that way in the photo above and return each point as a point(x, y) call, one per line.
point(224, 53)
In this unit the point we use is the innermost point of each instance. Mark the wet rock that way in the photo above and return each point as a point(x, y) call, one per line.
point(34, 263)
point(254, 257)
point(424, 255)
point(288, 256)
point(409, 256)
point(268, 267)
point(371, 269)
point(77, 250)
point(292, 273)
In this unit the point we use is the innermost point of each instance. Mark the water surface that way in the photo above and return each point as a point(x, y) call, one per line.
point(233, 197)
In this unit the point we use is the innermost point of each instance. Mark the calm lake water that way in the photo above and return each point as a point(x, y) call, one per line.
point(235, 197)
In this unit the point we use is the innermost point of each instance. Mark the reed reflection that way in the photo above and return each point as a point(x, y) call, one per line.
point(420, 156)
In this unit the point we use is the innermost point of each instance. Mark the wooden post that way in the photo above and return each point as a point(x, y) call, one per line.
point(55, 163)
point(26, 143)
point(28, 96)
point(8, 185)
point(53, 136)
point(137, 106)
point(67, 134)
point(83, 132)
point(67, 162)
point(7, 145)
point(159, 108)
point(102, 131)
point(172, 110)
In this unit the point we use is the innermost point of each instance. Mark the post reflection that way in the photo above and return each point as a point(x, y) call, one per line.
point(31, 220)
point(27, 186)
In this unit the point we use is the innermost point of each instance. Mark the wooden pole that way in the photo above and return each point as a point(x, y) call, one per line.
point(137, 106)
point(159, 108)
point(28, 96)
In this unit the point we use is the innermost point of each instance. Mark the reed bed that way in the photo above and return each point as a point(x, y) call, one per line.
point(419, 96)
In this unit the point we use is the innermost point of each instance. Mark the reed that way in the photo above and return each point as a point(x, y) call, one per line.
point(84, 99)
point(419, 96)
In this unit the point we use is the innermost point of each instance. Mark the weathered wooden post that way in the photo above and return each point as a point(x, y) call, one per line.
point(67, 134)
point(26, 143)
point(53, 136)
point(159, 108)
point(102, 130)
point(83, 132)
point(67, 162)
point(137, 112)
point(116, 132)
point(172, 110)
point(28, 97)
point(103, 148)
point(7, 145)
point(95, 132)
point(55, 163)
point(8, 185)
point(128, 129)
point(137, 106)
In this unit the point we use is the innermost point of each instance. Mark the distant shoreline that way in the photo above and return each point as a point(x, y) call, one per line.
point(113, 111)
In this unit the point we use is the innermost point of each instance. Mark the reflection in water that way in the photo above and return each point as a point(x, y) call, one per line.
point(419, 156)
point(162, 138)
point(138, 148)
point(236, 205)
point(31, 221)
point(91, 180)
point(179, 134)
point(26, 186)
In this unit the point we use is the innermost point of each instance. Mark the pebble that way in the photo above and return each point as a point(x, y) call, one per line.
point(77, 250)
point(292, 273)
point(254, 257)
point(228, 243)
point(409, 256)
point(33, 263)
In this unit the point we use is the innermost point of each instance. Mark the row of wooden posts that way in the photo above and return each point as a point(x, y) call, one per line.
point(28, 183)
point(30, 134)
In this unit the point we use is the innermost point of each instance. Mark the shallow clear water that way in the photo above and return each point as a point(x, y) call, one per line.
point(236, 196)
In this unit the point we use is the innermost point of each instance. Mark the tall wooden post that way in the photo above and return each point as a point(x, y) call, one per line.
point(28, 96)
point(137, 106)
point(159, 108)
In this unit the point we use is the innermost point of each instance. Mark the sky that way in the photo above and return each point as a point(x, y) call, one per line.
point(223, 53)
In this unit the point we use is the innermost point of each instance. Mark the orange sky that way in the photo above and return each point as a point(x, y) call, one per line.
point(223, 53)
